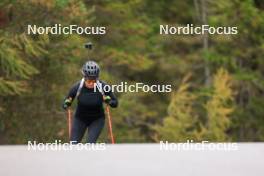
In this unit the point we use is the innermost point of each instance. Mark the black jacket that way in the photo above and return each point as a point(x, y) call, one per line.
point(90, 101)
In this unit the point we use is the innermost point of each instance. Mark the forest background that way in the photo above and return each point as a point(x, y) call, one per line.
point(217, 80)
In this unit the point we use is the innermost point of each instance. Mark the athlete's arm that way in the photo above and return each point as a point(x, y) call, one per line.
point(73, 91)
point(71, 95)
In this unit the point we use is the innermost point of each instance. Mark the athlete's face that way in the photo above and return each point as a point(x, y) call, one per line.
point(89, 83)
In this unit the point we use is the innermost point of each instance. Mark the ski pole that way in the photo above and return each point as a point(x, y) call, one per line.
point(69, 122)
point(110, 124)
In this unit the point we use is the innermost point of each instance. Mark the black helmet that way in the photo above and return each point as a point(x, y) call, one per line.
point(91, 70)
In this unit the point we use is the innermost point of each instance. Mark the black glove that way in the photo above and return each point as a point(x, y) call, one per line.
point(67, 103)
point(107, 99)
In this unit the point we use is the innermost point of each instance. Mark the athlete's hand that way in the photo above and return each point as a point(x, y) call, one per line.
point(67, 103)
point(107, 99)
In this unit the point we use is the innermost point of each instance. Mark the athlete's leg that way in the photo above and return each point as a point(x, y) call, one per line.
point(78, 130)
point(94, 129)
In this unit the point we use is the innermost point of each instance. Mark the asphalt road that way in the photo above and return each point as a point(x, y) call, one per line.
point(133, 160)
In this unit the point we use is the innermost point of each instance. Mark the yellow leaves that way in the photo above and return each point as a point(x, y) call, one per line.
point(31, 47)
point(12, 60)
point(14, 51)
point(12, 87)
point(13, 65)
point(220, 106)
point(179, 125)
point(182, 100)
point(222, 92)
point(184, 112)
point(184, 84)
point(222, 84)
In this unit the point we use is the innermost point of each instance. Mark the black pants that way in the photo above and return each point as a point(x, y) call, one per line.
point(79, 127)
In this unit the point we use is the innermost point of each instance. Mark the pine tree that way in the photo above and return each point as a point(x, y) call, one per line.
point(182, 120)
point(220, 106)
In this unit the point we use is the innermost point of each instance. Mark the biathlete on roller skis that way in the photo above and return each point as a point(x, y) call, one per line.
point(90, 98)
